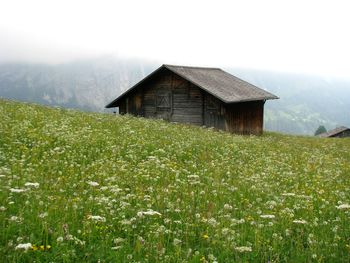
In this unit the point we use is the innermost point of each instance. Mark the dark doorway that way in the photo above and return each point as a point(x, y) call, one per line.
point(163, 105)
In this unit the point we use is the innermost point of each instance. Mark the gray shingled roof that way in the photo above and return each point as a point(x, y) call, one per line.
point(333, 132)
point(215, 81)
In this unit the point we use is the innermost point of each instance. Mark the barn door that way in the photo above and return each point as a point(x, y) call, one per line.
point(163, 105)
point(212, 116)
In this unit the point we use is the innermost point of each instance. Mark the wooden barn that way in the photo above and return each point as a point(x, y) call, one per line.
point(200, 96)
point(339, 132)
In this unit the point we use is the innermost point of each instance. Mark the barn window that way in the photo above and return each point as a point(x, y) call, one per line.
point(212, 103)
point(163, 101)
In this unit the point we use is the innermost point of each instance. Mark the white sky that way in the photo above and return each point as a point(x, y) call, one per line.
point(297, 36)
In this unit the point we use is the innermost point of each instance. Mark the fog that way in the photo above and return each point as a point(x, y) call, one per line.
point(292, 36)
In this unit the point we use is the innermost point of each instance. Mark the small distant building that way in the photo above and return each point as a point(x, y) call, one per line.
point(196, 95)
point(339, 132)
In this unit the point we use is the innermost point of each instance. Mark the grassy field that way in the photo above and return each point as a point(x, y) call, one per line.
point(78, 187)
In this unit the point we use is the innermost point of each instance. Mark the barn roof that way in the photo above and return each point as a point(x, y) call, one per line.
point(215, 81)
point(334, 132)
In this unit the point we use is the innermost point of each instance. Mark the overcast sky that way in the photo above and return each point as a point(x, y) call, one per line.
point(296, 36)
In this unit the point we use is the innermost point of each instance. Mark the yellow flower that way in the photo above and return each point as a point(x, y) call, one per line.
point(34, 247)
point(249, 218)
point(205, 236)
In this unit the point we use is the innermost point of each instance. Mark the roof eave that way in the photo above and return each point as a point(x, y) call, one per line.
point(115, 101)
point(251, 99)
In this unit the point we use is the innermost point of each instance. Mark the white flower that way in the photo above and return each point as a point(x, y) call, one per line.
point(225, 231)
point(212, 221)
point(2, 208)
point(303, 222)
point(59, 239)
point(118, 240)
point(288, 194)
point(97, 218)
point(35, 185)
point(343, 207)
point(149, 212)
point(267, 216)
point(177, 241)
point(17, 190)
point(116, 248)
point(227, 207)
point(2, 175)
point(15, 219)
point(24, 246)
point(243, 249)
point(93, 183)
point(43, 215)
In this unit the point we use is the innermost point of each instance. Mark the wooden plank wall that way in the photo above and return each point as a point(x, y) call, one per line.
point(186, 100)
point(245, 118)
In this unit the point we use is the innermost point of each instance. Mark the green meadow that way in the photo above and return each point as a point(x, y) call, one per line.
point(92, 187)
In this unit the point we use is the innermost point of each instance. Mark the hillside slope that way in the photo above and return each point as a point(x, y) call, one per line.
point(86, 187)
point(305, 101)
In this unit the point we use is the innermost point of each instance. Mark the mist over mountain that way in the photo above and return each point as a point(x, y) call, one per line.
point(83, 84)
point(305, 101)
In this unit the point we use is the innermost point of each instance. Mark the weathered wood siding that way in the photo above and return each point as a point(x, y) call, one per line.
point(245, 117)
point(167, 97)
point(170, 97)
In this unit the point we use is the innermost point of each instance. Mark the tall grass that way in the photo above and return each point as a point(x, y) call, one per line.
point(86, 187)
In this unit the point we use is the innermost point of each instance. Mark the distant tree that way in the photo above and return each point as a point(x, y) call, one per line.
point(320, 129)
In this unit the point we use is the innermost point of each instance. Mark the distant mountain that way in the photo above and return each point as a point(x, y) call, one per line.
point(305, 101)
point(85, 84)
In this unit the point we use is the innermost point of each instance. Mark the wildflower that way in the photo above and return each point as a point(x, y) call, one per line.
point(15, 219)
point(149, 212)
point(25, 246)
point(205, 236)
point(211, 257)
point(343, 206)
point(59, 239)
point(227, 207)
point(17, 190)
point(212, 221)
point(116, 248)
point(2, 208)
point(177, 241)
point(118, 240)
point(302, 222)
point(93, 183)
point(35, 185)
point(225, 231)
point(43, 215)
point(288, 194)
point(267, 216)
point(243, 249)
point(97, 218)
